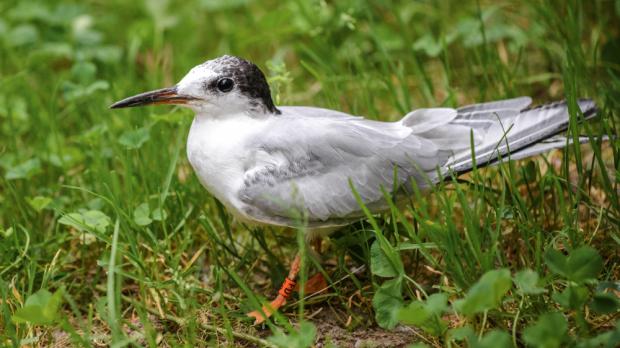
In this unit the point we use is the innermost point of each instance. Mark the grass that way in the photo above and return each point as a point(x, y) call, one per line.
point(107, 238)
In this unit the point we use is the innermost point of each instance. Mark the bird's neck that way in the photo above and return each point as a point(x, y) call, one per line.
point(206, 115)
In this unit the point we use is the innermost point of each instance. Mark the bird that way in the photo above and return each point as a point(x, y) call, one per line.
point(274, 165)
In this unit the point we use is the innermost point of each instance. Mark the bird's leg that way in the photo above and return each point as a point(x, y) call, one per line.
point(283, 294)
point(314, 284)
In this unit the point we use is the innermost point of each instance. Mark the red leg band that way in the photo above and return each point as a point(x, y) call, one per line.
point(287, 288)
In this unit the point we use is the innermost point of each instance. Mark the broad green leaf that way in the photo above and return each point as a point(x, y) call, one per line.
point(427, 314)
point(527, 282)
point(6, 233)
point(493, 339)
point(557, 262)
point(428, 44)
point(584, 264)
point(23, 35)
point(580, 265)
point(84, 72)
point(52, 51)
point(90, 220)
point(50, 309)
point(437, 303)
point(24, 170)
point(414, 314)
point(380, 264)
point(141, 215)
point(573, 297)
point(549, 331)
point(605, 303)
point(302, 338)
point(93, 134)
point(158, 214)
point(67, 157)
point(461, 333)
point(41, 308)
point(487, 293)
point(27, 11)
point(134, 139)
point(95, 204)
point(39, 203)
point(608, 339)
point(107, 54)
point(387, 302)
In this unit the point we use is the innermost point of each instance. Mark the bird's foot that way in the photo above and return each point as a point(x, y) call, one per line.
point(284, 293)
point(314, 284)
point(267, 311)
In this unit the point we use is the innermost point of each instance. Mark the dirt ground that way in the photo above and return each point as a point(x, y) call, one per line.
point(330, 331)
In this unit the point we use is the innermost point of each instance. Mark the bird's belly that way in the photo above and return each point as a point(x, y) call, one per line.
point(216, 174)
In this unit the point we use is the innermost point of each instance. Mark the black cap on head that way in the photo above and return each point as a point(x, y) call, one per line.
point(247, 77)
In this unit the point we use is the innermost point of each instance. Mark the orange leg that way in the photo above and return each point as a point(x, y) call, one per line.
point(283, 294)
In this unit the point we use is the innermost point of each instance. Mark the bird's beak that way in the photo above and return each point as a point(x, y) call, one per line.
point(160, 96)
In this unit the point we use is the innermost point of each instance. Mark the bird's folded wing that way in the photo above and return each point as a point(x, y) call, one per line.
point(304, 164)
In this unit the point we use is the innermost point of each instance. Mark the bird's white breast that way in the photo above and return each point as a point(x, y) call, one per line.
point(217, 149)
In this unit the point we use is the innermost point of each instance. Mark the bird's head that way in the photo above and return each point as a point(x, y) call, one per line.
point(218, 87)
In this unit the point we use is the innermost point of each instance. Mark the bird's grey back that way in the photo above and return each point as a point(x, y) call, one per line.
point(311, 156)
point(304, 167)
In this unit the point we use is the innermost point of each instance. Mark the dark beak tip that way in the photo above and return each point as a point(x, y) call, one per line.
point(159, 96)
point(120, 105)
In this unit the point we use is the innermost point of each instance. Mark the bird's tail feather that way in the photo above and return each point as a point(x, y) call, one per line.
point(526, 133)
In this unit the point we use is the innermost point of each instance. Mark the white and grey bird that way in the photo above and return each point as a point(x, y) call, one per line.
point(272, 164)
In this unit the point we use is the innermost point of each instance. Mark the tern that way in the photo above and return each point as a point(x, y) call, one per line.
point(272, 164)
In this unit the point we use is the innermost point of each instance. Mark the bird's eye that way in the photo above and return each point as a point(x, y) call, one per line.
point(225, 84)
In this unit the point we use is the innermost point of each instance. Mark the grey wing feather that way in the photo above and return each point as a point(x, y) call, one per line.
point(515, 129)
point(519, 103)
point(306, 161)
point(556, 142)
point(309, 156)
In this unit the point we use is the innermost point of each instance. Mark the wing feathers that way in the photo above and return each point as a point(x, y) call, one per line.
point(422, 120)
point(518, 103)
point(309, 155)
